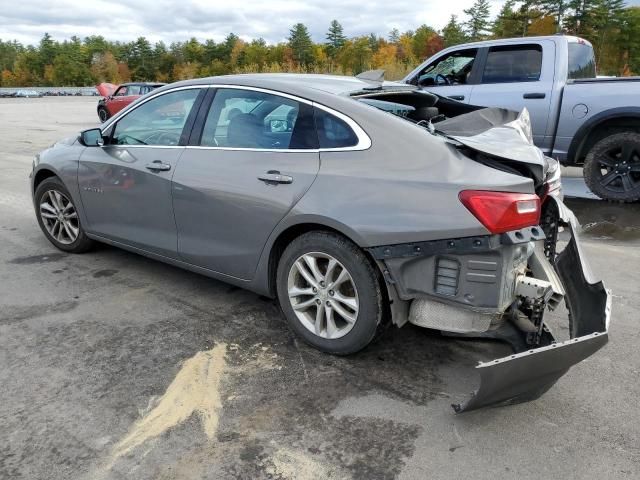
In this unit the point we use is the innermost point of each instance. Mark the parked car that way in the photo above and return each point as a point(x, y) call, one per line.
point(577, 118)
point(28, 94)
point(339, 197)
point(116, 97)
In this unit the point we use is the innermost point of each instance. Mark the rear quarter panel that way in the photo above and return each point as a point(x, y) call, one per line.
point(404, 188)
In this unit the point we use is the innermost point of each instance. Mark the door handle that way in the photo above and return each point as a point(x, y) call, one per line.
point(274, 176)
point(534, 95)
point(158, 166)
point(456, 97)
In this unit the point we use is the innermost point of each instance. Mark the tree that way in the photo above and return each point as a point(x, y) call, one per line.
point(478, 23)
point(556, 8)
point(453, 33)
point(301, 44)
point(335, 38)
point(104, 68)
point(394, 36)
point(426, 42)
point(507, 23)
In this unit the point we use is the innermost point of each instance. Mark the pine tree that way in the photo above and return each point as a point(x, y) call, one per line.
point(507, 23)
point(301, 44)
point(394, 36)
point(557, 8)
point(478, 23)
point(453, 33)
point(335, 38)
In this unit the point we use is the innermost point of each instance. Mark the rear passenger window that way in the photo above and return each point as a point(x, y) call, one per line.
point(241, 118)
point(513, 64)
point(333, 132)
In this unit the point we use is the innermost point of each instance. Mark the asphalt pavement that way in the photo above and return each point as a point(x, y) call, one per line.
point(115, 366)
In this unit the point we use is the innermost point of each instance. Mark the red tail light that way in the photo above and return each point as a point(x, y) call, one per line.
point(502, 211)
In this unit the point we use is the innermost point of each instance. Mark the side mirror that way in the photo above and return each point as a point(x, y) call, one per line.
point(92, 138)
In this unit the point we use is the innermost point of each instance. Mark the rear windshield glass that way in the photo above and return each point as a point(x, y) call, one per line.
point(582, 62)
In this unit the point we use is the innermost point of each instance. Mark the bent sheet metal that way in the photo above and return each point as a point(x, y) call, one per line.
point(529, 373)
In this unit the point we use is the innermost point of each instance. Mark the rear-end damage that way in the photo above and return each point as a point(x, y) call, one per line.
point(499, 287)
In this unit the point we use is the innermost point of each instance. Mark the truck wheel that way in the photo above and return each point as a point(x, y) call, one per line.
point(330, 293)
point(612, 167)
point(103, 114)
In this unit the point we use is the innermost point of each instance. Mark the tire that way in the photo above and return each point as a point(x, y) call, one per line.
point(54, 206)
point(334, 333)
point(612, 167)
point(103, 114)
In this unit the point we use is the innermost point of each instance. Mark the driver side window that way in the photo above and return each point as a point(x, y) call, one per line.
point(159, 121)
point(452, 69)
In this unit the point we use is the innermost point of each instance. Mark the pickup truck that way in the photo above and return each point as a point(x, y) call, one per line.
point(577, 118)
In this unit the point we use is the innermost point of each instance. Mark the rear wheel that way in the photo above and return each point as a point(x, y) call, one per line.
point(58, 217)
point(612, 167)
point(103, 114)
point(329, 292)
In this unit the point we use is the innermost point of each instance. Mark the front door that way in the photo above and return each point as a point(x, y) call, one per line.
point(125, 185)
point(448, 75)
point(254, 158)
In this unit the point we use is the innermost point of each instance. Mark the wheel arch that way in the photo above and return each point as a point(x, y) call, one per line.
point(41, 175)
point(604, 124)
point(281, 237)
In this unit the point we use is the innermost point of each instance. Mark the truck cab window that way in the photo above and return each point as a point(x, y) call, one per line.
point(522, 63)
point(452, 69)
point(582, 62)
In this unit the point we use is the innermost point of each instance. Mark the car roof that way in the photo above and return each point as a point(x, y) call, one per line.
point(301, 84)
point(157, 84)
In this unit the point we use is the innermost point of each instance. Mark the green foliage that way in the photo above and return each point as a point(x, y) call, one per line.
point(453, 33)
point(301, 44)
point(612, 28)
point(335, 38)
point(477, 27)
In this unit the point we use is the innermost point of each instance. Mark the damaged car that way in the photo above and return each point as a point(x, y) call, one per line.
point(116, 97)
point(357, 203)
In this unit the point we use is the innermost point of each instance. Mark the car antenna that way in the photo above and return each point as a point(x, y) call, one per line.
point(373, 77)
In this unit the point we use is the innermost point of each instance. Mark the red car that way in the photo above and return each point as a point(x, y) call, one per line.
point(116, 97)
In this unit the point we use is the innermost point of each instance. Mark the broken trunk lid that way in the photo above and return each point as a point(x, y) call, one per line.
point(106, 89)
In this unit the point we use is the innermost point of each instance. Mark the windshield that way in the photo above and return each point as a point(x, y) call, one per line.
point(582, 62)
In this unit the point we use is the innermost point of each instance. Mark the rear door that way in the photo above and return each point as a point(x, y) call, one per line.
point(251, 157)
point(125, 185)
point(450, 74)
point(514, 77)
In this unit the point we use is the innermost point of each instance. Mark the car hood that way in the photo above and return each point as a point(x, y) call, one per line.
point(497, 132)
point(106, 89)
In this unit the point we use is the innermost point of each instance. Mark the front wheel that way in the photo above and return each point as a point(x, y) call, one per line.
point(58, 217)
point(103, 114)
point(612, 167)
point(330, 293)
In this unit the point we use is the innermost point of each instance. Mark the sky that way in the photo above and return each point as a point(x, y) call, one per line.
point(179, 20)
point(27, 20)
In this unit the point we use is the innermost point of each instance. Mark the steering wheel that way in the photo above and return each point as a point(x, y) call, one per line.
point(445, 79)
point(163, 138)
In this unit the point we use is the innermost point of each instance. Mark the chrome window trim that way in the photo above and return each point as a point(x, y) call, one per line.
point(126, 111)
point(364, 141)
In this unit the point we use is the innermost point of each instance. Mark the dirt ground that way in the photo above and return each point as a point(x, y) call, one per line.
point(116, 366)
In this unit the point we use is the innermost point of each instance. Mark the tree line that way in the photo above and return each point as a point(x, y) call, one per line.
point(612, 27)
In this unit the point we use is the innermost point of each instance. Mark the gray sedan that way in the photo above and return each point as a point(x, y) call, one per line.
point(357, 203)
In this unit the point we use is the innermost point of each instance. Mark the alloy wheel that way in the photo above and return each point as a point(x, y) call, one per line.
point(619, 168)
point(59, 217)
point(323, 295)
